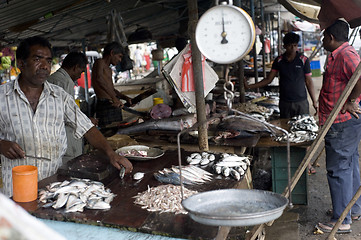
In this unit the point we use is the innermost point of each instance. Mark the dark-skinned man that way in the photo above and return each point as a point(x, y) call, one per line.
point(33, 116)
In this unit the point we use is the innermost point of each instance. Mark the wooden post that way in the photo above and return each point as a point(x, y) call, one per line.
point(198, 77)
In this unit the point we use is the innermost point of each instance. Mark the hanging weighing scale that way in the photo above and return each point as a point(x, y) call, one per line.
point(225, 34)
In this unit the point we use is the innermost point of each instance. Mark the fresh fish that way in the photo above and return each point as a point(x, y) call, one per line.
point(172, 124)
point(72, 201)
point(217, 169)
point(138, 176)
point(172, 178)
point(238, 127)
point(62, 199)
point(76, 208)
point(101, 205)
point(204, 162)
point(195, 161)
point(74, 194)
point(229, 164)
point(225, 171)
point(235, 174)
point(240, 170)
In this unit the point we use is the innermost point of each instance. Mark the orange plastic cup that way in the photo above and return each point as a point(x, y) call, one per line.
point(25, 183)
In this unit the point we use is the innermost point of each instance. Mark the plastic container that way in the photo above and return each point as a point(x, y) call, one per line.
point(157, 101)
point(280, 173)
point(25, 183)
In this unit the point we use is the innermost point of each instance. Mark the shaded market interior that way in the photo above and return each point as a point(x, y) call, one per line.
point(85, 24)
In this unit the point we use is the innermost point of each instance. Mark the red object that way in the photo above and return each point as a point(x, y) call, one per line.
point(187, 72)
point(147, 59)
point(81, 80)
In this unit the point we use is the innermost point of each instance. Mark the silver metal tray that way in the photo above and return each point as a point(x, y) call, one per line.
point(152, 153)
point(235, 207)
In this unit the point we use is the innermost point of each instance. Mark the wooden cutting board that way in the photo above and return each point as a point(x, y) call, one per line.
point(94, 166)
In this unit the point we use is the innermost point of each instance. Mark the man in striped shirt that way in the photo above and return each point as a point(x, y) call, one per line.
point(343, 137)
point(33, 114)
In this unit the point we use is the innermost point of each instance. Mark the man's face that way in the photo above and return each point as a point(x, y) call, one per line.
point(77, 72)
point(36, 68)
point(326, 41)
point(116, 58)
point(291, 47)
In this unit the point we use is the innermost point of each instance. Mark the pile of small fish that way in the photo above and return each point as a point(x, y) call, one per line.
point(232, 164)
point(76, 194)
point(202, 159)
point(164, 198)
point(190, 175)
point(303, 123)
point(303, 128)
point(297, 137)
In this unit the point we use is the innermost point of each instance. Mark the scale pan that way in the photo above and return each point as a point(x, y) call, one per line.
point(235, 207)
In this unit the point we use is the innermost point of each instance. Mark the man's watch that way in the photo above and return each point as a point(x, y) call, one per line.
point(352, 100)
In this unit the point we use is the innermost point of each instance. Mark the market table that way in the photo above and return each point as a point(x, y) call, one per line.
point(278, 154)
point(125, 215)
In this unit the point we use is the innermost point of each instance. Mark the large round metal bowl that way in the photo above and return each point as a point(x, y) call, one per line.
point(235, 207)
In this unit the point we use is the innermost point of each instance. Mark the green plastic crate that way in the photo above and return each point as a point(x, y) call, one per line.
point(280, 175)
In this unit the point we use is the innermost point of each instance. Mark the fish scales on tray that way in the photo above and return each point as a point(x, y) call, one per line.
point(75, 195)
point(163, 198)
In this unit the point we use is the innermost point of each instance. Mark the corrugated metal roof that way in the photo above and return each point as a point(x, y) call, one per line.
point(69, 22)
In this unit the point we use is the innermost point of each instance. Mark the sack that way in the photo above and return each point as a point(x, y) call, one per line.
point(125, 64)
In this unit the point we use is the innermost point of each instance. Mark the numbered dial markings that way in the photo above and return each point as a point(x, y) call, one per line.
point(225, 34)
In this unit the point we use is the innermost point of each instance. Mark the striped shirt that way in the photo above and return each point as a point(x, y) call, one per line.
point(41, 134)
point(341, 64)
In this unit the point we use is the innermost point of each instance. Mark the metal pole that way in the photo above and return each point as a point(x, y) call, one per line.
point(86, 82)
point(254, 51)
point(262, 38)
point(279, 34)
point(242, 95)
point(198, 77)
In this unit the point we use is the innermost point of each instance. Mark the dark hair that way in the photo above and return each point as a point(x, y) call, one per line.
point(339, 30)
point(23, 50)
point(113, 46)
point(291, 38)
point(73, 59)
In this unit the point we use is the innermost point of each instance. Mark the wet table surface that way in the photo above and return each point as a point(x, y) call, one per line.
point(126, 215)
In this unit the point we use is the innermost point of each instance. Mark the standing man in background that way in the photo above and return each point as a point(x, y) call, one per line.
point(294, 77)
point(108, 107)
point(343, 137)
point(71, 69)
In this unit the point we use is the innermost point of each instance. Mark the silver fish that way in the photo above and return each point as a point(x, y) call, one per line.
point(62, 199)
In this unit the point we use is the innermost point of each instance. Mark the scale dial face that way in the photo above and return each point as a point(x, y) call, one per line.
point(225, 34)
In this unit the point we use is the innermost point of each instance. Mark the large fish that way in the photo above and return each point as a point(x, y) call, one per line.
point(238, 127)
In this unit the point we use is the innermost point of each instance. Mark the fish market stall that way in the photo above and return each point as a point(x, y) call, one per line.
point(123, 195)
point(302, 132)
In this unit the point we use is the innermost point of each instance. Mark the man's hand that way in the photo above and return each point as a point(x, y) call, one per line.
point(94, 121)
point(129, 102)
point(117, 103)
point(118, 160)
point(11, 150)
point(352, 108)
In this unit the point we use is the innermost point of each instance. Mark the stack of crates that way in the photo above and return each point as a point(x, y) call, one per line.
point(280, 172)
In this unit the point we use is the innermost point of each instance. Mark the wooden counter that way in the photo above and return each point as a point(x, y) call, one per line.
point(124, 214)
point(268, 142)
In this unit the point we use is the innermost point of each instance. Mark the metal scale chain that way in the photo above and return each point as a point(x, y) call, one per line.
point(228, 90)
